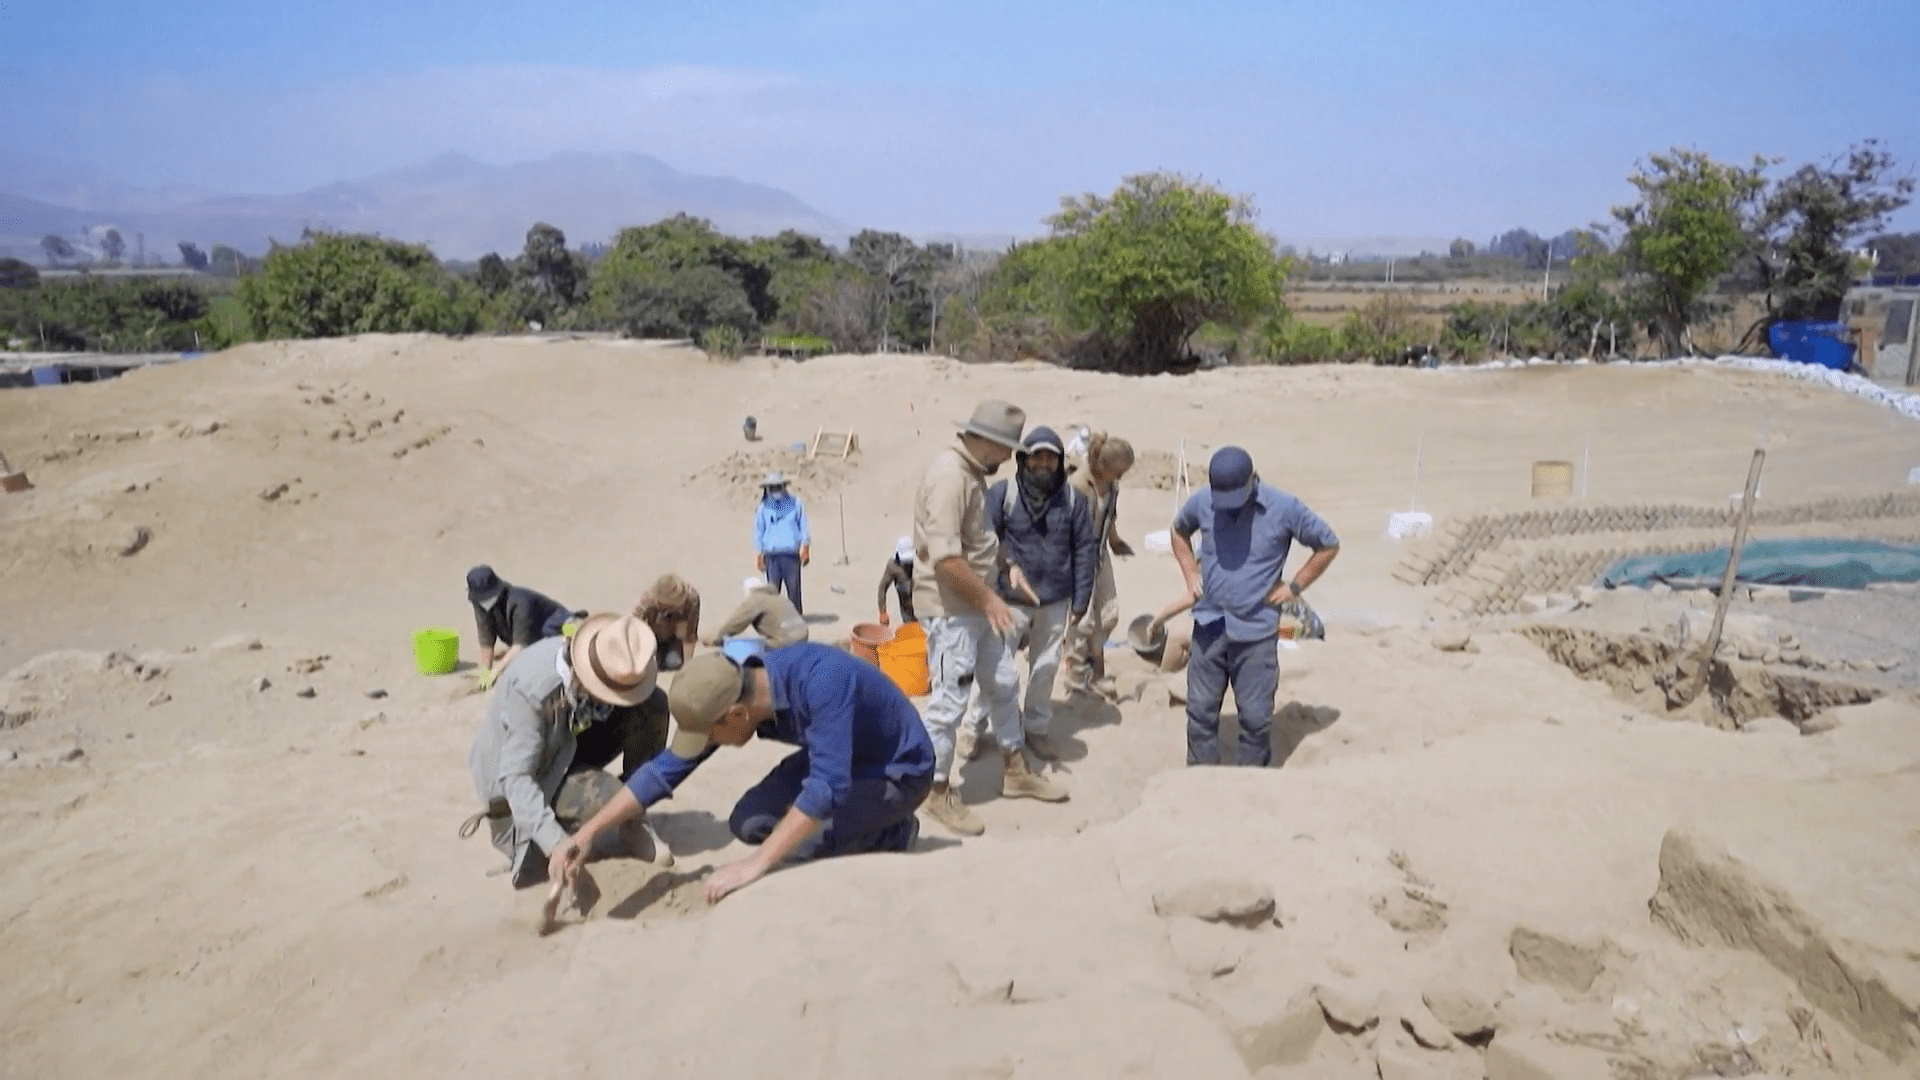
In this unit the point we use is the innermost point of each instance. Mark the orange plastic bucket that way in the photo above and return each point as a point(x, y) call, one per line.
point(866, 640)
point(904, 659)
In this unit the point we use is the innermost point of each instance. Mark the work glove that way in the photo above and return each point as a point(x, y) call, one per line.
point(486, 679)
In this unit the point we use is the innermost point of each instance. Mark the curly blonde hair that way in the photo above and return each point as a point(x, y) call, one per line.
point(670, 596)
point(1108, 455)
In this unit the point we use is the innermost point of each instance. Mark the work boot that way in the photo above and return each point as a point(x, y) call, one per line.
point(1042, 746)
point(944, 806)
point(1021, 782)
point(967, 745)
point(641, 842)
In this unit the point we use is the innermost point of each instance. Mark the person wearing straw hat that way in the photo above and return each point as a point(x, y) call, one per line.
point(862, 767)
point(1237, 589)
point(512, 615)
point(564, 709)
point(780, 536)
point(767, 613)
point(968, 626)
point(898, 576)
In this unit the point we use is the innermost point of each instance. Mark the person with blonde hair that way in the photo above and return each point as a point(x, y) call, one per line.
point(671, 609)
point(1098, 480)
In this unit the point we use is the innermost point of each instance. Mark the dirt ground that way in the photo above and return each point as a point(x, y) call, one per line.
point(1472, 860)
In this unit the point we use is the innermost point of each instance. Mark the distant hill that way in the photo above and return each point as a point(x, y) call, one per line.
point(461, 207)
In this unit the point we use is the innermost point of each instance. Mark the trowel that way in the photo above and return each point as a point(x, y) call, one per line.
point(12, 481)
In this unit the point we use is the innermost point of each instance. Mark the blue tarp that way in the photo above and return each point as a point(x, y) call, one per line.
point(1823, 564)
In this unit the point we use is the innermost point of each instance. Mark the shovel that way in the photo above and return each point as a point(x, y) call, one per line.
point(12, 481)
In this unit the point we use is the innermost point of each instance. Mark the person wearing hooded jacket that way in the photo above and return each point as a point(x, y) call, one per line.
point(1051, 552)
point(781, 538)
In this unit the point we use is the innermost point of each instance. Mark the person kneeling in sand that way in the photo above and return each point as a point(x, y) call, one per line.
point(671, 609)
point(768, 613)
point(863, 767)
point(563, 710)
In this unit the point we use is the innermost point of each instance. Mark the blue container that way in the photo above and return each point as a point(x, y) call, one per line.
point(739, 648)
point(1822, 343)
point(50, 375)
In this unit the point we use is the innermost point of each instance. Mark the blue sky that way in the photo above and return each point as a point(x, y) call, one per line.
point(1340, 119)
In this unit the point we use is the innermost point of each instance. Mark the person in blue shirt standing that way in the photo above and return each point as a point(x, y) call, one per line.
point(863, 767)
point(781, 538)
point(1236, 587)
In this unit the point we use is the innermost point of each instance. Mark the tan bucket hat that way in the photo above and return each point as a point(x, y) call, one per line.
point(702, 690)
point(996, 421)
point(613, 657)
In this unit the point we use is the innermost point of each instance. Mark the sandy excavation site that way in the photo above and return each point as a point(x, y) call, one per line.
point(1488, 850)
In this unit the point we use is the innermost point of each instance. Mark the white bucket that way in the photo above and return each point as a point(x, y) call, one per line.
point(1401, 526)
point(1159, 543)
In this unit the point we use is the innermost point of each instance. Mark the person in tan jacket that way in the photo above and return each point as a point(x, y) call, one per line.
point(1098, 479)
point(956, 563)
point(768, 613)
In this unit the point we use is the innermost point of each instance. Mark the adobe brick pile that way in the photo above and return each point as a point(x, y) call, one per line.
point(1489, 563)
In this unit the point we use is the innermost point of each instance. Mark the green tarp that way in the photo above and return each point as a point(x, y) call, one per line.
point(1825, 564)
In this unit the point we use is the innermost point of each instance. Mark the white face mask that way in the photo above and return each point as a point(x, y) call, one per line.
point(491, 602)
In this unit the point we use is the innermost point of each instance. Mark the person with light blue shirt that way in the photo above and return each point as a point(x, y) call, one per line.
point(781, 538)
point(1236, 587)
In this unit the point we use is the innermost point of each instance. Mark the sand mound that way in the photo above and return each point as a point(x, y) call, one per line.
point(813, 479)
point(251, 866)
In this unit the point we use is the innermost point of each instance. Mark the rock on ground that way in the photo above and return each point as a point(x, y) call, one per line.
point(1555, 961)
point(1534, 1058)
point(1242, 903)
point(1708, 897)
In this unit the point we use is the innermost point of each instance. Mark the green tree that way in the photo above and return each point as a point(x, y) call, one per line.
point(1685, 231)
point(334, 284)
point(56, 248)
point(1460, 250)
point(677, 278)
point(114, 245)
point(492, 276)
point(192, 256)
point(1146, 266)
point(1899, 253)
point(550, 280)
point(1811, 220)
point(15, 274)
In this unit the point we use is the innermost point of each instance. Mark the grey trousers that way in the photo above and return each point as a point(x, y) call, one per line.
point(1252, 670)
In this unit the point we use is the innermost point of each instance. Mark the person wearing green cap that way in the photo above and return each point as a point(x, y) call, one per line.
point(863, 766)
point(1237, 588)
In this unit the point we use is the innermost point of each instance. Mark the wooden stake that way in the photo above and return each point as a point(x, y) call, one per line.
point(1694, 685)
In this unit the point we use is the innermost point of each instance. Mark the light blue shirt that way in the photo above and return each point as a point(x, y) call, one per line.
point(780, 529)
point(1242, 554)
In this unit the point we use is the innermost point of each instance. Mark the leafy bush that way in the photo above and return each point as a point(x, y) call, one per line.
point(332, 285)
point(722, 342)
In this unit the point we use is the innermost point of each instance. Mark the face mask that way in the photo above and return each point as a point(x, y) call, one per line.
point(491, 602)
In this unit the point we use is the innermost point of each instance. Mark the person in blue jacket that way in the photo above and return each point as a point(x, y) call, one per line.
point(863, 766)
point(781, 538)
point(1051, 550)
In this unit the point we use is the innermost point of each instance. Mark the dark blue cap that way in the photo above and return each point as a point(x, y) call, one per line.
point(482, 583)
point(1230, 473)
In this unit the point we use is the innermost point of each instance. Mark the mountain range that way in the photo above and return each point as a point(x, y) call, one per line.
point(460, 207)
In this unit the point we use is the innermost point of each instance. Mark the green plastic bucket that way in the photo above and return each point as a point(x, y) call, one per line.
point(435, 651)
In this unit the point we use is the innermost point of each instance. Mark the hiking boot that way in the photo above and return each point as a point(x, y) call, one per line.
point(944, 806)
point(967, 745)
point(1042, 746)
point(1021, 782)
point(641, 842)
